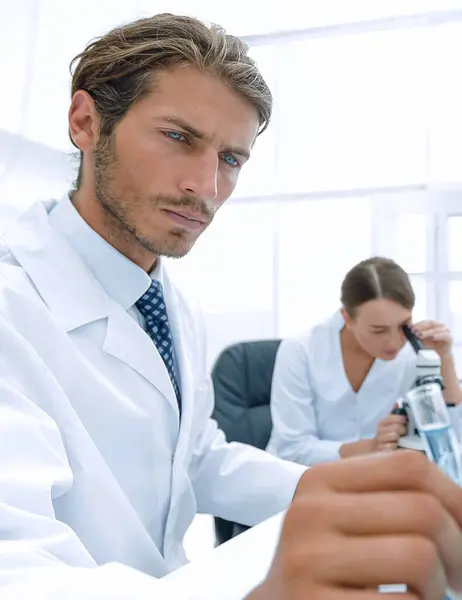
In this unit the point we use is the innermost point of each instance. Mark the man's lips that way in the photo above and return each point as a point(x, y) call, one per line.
point(186, 219)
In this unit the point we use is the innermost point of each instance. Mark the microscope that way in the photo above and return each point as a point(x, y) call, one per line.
point(428, 371)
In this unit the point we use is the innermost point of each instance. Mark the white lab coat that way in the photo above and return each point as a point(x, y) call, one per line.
point(92, 450)
point(313, 407)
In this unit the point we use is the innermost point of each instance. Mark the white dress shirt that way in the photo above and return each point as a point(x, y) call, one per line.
point(313, 406)
point(124, 281)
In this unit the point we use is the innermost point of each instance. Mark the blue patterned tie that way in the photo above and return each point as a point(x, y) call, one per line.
point(152, 306)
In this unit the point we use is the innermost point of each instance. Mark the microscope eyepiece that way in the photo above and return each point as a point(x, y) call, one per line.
point(412, 339)
point(399, 411)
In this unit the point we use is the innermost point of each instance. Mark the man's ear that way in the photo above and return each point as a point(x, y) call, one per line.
point(84, 121)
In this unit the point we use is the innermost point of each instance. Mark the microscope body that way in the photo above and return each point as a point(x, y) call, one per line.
point(428, 371)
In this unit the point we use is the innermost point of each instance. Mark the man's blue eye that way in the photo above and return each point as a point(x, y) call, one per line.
point(232, 162)
point(175, 135)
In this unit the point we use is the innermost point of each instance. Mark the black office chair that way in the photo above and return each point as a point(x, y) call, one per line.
point(242, 377)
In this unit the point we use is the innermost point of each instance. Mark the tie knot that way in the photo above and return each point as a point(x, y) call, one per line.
point(152, 303)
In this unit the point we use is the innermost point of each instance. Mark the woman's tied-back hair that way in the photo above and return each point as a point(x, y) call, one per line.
point(376, 278)
point(118, 69)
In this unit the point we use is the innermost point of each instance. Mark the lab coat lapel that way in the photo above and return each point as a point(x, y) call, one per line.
point(128, 342)
point(77, 299)
point(183, 337)
point(186, 346)
point(60, 276)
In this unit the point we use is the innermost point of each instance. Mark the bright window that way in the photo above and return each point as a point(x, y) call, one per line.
point(342, 124)
point(318, 242)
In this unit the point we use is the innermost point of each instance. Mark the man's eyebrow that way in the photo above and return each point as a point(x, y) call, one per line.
point(200, 135)
point(185, 126)
point(237, 150)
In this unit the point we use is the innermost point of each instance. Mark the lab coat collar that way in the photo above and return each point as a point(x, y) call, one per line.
point(122, 279)
point(54, 244)
point(62, 278)
point(341, 384)
point(57, 271)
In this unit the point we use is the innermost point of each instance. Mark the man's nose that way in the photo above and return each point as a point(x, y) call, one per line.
point(201, 179)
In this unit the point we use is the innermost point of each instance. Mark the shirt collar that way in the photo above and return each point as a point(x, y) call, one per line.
point(121, 278)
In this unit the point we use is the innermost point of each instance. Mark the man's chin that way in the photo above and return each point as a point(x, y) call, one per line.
point(177, 245)
point(174, 254)
point(179, 250)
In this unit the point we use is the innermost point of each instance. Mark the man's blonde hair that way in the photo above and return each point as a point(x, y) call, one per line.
point(118, 69)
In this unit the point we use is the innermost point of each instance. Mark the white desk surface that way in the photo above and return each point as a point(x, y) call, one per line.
point(232, 570)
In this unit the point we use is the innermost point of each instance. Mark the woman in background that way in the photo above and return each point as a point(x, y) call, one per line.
point(335, 386)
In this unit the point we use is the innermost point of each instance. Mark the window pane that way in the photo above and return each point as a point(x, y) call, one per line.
point(318, 242)
point(420, 286)
point(445, 99)
point(69, 31)
point(409, 242)
point(353, 116)
point(455, 308)
point(455, 243)
point(16, 22)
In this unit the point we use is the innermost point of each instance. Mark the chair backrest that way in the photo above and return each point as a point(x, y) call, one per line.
point(242, 377)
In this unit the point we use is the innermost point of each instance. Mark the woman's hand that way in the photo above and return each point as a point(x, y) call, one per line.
point(389, 430)
point(434, 336)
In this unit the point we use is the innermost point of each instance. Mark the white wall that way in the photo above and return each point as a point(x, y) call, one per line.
point(31, 171)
